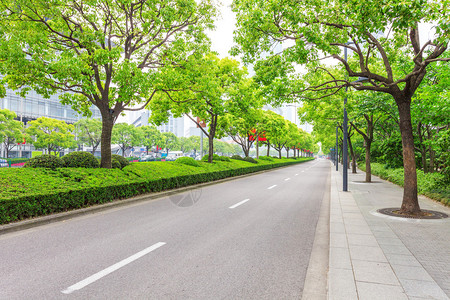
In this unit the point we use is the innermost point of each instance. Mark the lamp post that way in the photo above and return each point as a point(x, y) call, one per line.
point(345, 132)
point(336, 156)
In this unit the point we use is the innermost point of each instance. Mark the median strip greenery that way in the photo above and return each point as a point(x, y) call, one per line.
point(32, 192)
point(433, 185)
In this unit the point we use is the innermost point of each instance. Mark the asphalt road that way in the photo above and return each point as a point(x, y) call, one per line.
point(248, 238)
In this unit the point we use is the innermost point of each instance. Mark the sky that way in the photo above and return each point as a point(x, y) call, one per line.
point(222, 37)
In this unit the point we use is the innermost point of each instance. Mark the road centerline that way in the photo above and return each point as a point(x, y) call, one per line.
point(271, 187)
point(81, 284)
point(240, 203)
point(287, 179)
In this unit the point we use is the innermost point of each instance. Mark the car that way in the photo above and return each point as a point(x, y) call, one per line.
point(148, 158)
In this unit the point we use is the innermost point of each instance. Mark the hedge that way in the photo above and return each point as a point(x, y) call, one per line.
point(30, 192)
point(432, 185)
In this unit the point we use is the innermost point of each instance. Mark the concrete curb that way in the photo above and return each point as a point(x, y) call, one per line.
point(39, 221)
point(315, 287)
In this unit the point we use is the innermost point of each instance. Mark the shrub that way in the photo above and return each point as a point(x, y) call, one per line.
point(224, 158)
point(115, 164)
point(122, 160)
point(268, 158)
point(215, 157)
point(80, 160)
point(250, 159)
point(237, 157)
point(45, 161)
point(187, 161)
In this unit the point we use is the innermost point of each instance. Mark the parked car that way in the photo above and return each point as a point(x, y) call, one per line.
point(148, 158)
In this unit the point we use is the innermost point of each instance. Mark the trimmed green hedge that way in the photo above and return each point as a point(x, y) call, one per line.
point(429, 184)
point(29, 192)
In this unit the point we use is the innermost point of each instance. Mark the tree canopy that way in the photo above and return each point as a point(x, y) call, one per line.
point(105, 53)
point(381, 35)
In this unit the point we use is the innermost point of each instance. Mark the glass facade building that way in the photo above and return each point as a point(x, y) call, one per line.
point(33, 106)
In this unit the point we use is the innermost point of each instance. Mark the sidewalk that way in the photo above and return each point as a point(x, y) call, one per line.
point(373, 256)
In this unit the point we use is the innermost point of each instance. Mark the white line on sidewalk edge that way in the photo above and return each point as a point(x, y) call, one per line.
point(115, 267)
point(237, 204)
point(271, 187)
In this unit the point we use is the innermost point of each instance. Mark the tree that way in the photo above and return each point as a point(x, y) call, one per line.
point(126, 136)
point(105, 53)
point(204, 90)
point(51, 134)
point(274, 126)
point(11, 131)
point(150, 137)
point(170, 141)
point(242, 128)
point(89, 131)
point(318, 27)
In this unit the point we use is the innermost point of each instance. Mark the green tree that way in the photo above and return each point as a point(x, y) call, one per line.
point(105, 53)
point(317, 27)
point(51, 134)
point(126, 136)
point(170, 141)
point(242, 128)
point(89, 131)
point(204, 90)
point(11, 131)
point(150, 137)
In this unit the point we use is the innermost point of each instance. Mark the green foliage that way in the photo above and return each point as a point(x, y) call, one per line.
point(89, 53)
point(250, 160)
point(215, 157)
point(115, 163)
point(26, 192)
point(80, 160)
point(126, 136)
point(45, 161)
point(122, 160)
point(224, 158)
point(187, 161)
point(237, 157)
point(432, 185)
point(51, 134)
point(89, 131)
point(268, 158)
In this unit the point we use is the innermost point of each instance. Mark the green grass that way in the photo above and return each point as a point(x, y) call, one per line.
point(429, 184)
point(31, 192)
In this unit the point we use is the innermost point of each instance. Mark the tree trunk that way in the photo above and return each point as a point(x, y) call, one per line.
point(410, 202)
point(210, 148)
point(368, 167)
point(287, 153)
point(268, 149)
point(352, 154)
point(107, 126)
point(279, 154)
point(423, 149)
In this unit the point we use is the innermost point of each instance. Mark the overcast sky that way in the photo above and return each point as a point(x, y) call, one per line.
point(222, 37)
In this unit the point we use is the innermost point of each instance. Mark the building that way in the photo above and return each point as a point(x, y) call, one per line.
point(33, 106)
point(174, 125)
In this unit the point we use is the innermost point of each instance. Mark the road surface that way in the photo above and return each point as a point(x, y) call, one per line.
point(248, 238)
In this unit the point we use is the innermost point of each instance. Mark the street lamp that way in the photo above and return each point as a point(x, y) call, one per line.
point(345, 132)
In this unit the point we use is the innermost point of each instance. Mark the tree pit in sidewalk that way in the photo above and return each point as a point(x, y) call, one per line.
point(423, 214)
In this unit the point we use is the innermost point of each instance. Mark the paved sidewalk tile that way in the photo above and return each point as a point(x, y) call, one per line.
point(377, 257)
point(370, 291)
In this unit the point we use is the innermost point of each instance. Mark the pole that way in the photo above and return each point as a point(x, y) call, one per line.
point(336, 153)
point(344, 142)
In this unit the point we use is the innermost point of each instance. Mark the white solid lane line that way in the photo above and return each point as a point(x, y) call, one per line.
point(271, 187)
point(115, 267)
point(240, 203)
